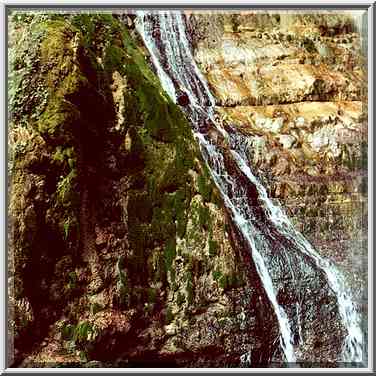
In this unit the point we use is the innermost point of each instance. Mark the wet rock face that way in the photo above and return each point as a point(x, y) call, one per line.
point(182, 99)
point(295, 86)
point(121, 251)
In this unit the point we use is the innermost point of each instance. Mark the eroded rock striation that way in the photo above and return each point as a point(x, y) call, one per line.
point(296, 85)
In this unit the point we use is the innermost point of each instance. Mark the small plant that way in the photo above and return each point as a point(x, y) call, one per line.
point(62, 155)
point(84, 331)
point(65, 188)
point(66, 228)
point(223, 282)
point(83, 356)
point(216, 275)
point(67, 332)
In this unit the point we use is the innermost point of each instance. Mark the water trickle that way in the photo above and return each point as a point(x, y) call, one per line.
point(287, 264)
point(353, 344)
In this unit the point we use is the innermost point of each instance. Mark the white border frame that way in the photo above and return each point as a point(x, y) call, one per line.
point(368, 5)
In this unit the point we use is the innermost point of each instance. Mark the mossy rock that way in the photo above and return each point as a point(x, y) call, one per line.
point(71, 120)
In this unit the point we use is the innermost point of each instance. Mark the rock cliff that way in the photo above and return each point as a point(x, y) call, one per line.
point(295, 83)
point(121, 251)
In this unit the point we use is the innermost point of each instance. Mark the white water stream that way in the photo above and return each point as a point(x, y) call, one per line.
point(164, 34)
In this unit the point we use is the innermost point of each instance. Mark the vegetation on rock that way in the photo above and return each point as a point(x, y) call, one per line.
point(116, 225)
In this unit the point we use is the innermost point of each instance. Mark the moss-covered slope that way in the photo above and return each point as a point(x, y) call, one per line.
point(121, 251)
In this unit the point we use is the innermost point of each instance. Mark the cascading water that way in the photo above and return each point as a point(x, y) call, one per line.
point(352, 349)
point(287, 264)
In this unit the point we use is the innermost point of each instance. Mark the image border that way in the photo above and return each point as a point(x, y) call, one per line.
point(369, 7)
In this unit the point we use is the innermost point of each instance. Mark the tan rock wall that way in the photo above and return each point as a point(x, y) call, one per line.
point(295, 85)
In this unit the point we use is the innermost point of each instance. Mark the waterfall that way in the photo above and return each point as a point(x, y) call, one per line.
point(287, 264)
point(353, 344)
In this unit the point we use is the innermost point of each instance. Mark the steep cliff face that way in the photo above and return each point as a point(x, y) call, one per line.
point(120, 249)
point(295, 85)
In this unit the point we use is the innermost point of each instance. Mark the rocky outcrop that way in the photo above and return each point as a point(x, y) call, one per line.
point(121, 251)
point(295, 85)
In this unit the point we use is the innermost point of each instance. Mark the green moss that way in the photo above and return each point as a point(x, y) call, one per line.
point(170, 253)
point(204, 217)
point(76, 65)
point(181, 200)
point(226, 282)
point(138, 240)
point(213, 248)
point(162, 119)
point(136, 156)
point(162, 147)
point(84, 23)
point(189, 287)
point(27, 87)
point(84, 331)
point(216, 275)
point(139, 207)
point(169, 316)
point(157, 117)
point(113, 58)
point(152, 295)
point(204, 187)
point(72, 280)
point(67, 331)
point(137, 57)
point(66, 189)
point(57, 48)
point(162, 225)
point(50, 77)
